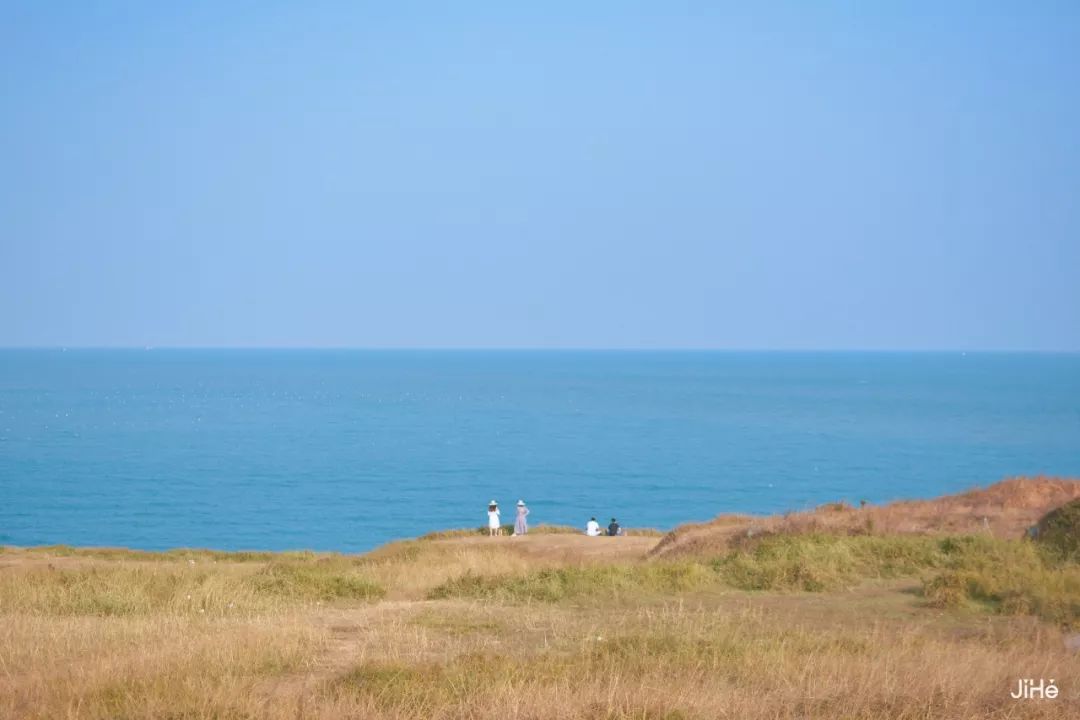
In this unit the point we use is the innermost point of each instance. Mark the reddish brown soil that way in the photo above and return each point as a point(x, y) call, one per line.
point(1004, 509)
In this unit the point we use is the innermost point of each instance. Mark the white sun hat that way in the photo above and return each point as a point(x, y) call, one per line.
point(521, 502)
point(493, 503)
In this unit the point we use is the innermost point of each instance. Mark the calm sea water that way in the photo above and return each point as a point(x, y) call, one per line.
point(345, 450)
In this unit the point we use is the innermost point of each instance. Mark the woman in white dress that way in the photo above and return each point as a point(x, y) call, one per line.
point(493, 519)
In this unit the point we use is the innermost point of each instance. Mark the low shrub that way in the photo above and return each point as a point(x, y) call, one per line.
point(1010, 577)
point(1059, 532)
point(947, 590)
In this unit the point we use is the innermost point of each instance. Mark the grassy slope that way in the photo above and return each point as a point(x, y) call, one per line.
point(806, 624)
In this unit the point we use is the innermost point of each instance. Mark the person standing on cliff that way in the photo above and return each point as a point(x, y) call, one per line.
point(493, 519)
point(521, 527)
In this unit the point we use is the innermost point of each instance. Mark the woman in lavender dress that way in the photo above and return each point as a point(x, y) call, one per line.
point(520, 525)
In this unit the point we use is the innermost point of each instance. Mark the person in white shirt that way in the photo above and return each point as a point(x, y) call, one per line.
point(493, 519)
point(592, 528)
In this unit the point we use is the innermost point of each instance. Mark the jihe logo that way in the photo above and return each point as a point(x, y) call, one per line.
point(1028, 689)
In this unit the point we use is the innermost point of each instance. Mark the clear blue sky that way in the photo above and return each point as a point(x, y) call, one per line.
point(869, 175)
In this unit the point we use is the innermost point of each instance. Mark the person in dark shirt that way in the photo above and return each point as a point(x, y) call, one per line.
point(613, 529)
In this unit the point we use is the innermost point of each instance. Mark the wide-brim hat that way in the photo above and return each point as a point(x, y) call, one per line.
point(493, 503)
point(521, 503)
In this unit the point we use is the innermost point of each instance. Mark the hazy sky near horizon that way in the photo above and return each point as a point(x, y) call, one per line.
point(613, 174)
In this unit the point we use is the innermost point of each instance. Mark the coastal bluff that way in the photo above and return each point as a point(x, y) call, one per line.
point(837, 612)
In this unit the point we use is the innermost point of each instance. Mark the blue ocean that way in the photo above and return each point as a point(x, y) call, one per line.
point(346, 450)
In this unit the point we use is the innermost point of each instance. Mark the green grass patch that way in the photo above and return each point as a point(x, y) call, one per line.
point(812, 563)
point(600, 581)
point(817, 562)
point(1009, 577)
point(1059, 532)
point(326, 579)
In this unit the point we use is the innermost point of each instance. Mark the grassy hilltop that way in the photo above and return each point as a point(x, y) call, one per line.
point(913, 610)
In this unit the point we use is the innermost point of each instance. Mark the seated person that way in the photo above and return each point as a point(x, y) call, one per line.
point(613, 529)
point(592, 528)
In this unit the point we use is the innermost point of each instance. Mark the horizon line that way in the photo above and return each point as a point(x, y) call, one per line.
point(568, 348)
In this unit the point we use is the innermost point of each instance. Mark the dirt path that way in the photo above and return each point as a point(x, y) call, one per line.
point(348, 630)
point(351, 631)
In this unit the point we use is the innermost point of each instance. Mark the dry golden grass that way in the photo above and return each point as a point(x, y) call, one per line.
point(56, 667)
point(709, 658)
point(840, 625)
